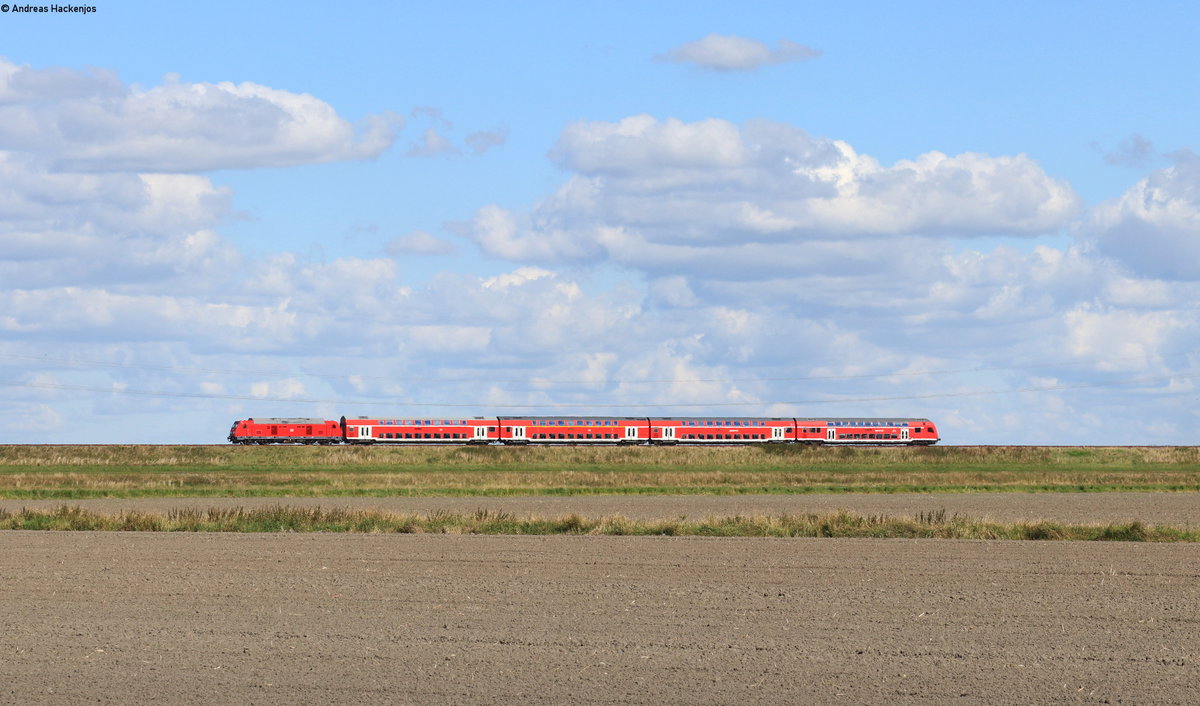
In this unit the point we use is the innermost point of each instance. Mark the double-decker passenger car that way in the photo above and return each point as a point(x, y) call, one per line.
point(573, 430)
point(366, 430)
point(880, 431)
point(721, 430)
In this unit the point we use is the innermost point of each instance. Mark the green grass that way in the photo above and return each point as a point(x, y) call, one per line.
point(37, 472)
point(932, 525)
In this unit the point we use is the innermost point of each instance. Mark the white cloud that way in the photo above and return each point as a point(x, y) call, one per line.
point(751, 262)
point(1154, 227)
point(485, 140)
point(87, 121)
point(1125, 339)
point(1133, 151)
point(287, 388)
point(651, 191)
point(431, 144)
point(731, 53)
point(419, 242)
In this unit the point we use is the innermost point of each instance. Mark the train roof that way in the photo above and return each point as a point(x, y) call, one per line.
point(288, 420)
point(585, 417)
point(876, 420)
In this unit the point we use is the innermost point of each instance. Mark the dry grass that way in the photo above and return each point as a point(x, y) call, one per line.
point(932, 525)
point(180, 471)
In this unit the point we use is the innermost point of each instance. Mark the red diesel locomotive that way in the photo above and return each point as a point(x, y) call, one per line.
point(579, 430)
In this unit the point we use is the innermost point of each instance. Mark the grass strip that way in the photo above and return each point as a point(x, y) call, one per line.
point(282, 518)
point(75, 473)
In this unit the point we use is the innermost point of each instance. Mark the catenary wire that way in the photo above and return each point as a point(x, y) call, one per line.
point(541, 382)
point(672, 405)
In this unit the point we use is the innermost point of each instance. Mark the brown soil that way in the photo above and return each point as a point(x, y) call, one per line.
point(316, 618)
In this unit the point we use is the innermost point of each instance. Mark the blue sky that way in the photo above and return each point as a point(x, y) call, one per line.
point(987, 214)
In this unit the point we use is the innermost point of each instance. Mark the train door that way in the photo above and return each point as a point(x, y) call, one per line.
point(668, 433)
point(364, 432)
point(631, 433)
point(831, 434)
point(518, 433)
point(904, 434)
point(480, 433)
point(777, 433)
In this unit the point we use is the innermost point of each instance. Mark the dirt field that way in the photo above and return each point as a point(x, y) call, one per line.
point(312, 618)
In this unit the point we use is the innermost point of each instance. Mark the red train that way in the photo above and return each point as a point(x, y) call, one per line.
point(578, 430)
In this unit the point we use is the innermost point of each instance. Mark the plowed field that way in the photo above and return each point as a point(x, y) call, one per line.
point(317, 618)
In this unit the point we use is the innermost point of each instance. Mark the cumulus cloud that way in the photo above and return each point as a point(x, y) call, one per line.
point(1154, 227)
point(757, 266)
point(109, 228)
point(731, 53)
point(649, 190)
point(1124, 339)
point(87, 121)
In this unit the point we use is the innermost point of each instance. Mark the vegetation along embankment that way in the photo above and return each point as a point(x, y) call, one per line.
point(76, 472)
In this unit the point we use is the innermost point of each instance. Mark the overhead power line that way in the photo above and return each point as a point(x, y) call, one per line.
point(531, 381)
point(600, 405)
